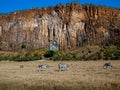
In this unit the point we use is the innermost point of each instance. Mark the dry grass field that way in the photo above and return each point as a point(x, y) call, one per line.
point(82, 75)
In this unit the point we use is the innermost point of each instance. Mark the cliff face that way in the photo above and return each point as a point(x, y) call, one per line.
point(59, 27)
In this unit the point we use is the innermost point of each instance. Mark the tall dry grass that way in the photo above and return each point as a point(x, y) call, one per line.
point(82, 75)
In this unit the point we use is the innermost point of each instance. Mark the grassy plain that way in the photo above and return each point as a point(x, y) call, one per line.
point(82, 75)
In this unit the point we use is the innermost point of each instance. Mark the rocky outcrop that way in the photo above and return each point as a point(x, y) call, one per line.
point(60, 27)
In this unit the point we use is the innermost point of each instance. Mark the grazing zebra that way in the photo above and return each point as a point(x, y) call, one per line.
point(107, 65)
point(62, 66)
point(43, 67)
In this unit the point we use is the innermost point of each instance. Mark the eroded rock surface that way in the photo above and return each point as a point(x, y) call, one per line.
point(59, 27)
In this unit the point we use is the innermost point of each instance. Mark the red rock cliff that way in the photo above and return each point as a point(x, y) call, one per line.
point(59, 27)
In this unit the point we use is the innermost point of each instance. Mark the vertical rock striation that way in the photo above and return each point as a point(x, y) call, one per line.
point(60, 27)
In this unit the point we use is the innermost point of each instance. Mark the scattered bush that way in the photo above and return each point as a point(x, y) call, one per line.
point(89, 51)
point(49, 53)
point(105, 53)
point(37, 57)
point(56, 57)
point(84, 57)
point(98, 54)
point(23, 46)
point(27, 57)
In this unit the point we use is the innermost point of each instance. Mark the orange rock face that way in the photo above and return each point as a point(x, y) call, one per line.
point(59, 27)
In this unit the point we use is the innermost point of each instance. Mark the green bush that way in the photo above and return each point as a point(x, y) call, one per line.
point(62, 57)
point(74, 57)
point(49, 53)
point(28, 54)
point(90, 57)
point(28, 57)
point(106, 53)
point(98, 54)
point(66, 57)
point(23, 46)
point(36, 57)
point(116, 55)
point(15, 58)
point(83, 57)
point(4, 58)
point(56, 58)
point(10, 58)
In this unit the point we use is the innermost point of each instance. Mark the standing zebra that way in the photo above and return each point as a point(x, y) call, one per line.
point(107, 65)
point(43, 67)
point(62, 66)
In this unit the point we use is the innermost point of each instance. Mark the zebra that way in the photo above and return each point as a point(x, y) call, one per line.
point(62, 66)
point(107, 65)
point(43, 67)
